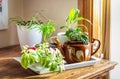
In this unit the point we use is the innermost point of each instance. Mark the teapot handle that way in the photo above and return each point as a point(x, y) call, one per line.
point(95, 43)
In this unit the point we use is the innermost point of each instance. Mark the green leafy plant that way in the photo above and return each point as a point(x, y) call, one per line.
point(47, 30)
point(43, 54)
point(47, 57)
point(34, 22)
point(73, 32)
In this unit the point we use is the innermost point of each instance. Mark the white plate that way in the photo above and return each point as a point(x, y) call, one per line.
point(40, 70)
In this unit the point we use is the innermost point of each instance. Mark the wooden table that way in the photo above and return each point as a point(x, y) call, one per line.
point(10, 69)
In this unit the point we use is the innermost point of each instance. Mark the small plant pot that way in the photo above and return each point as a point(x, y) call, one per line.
point(78, 52)
point(28, 37)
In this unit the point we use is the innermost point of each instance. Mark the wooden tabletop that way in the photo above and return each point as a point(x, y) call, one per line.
point(11, 69)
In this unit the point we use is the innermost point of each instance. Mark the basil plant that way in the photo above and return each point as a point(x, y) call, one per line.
point(47, 57)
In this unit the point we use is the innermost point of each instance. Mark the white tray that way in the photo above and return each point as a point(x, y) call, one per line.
point(40, 70)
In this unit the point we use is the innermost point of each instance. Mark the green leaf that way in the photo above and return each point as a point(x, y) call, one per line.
point(84, 39)
point(76, 14)
point(79, 19)
point(34, 56)
point(25, 60)
point(17, 19)
point(31, 59)
point(60, 69)
point(85, 27)
point(61, 27)
point(47, 29)
point(78, 29)
point(53, 66)
point(71, 14)
point(47, 64)
point(67, 18)
point(88, 21)
point(73, 36)
point(43, 61)
point(69, 31)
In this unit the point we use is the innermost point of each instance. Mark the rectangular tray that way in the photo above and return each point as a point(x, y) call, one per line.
point(40, 70)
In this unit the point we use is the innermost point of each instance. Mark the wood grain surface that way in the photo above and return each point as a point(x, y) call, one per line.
point(10, 69)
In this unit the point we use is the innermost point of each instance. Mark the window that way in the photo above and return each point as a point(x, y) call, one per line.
point(98, 11)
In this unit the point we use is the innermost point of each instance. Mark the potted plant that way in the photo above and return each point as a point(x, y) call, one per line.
point(28, 30)
point(73, 31)
point(43, 54)
point(76, 47)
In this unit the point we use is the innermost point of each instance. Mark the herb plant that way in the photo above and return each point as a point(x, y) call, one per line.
point(34, 22)
point(73, 32)
point(48, 57)
point(47, 30)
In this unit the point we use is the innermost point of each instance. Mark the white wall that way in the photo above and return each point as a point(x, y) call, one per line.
point(115, 37)
point(56, 10)
point(9, 37)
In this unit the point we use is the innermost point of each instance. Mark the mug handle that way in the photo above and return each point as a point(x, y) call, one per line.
point(95, 43)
